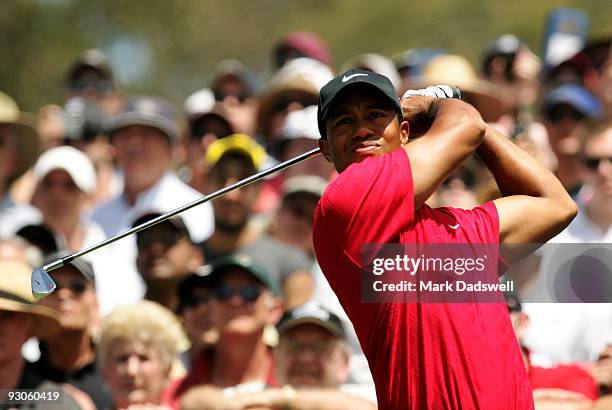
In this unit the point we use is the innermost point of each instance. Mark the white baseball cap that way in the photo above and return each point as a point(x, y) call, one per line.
point(71, 160)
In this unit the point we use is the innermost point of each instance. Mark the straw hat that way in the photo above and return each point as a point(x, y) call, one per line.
point(490, 100)
point(16, 296)
point(24, 126)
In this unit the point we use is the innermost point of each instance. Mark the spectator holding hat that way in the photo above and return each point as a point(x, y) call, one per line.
point(19, 149)
point(20, 319)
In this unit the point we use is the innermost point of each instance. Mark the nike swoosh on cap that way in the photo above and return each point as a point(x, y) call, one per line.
point(453, 226)
point(348, 77)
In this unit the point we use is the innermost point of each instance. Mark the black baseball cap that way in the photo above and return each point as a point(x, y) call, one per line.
point(351, 78)
point(312, 313)
point(175, 222)
point(198, 279)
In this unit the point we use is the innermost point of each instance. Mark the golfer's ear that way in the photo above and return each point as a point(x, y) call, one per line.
point(325, 149)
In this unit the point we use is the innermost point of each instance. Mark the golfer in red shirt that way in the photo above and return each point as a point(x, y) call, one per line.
point(430, 355)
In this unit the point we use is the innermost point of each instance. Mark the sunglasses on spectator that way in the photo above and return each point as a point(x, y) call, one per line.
point(194, 301)
point(247, 293)
point(593, 163)
point(76, 285)
point(100, 85)
point(220, 96)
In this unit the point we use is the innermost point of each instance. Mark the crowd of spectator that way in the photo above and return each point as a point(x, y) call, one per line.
point(224, 306)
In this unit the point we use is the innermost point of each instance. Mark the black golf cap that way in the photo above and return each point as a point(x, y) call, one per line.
point(312, 313)
point(352, 78)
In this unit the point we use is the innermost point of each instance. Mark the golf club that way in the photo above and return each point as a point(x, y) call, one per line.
point(43, 285)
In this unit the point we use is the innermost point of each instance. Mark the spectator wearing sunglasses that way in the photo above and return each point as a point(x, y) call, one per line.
point(91, 77)
point(70, 356)
point(165, 255)
point(234, 87)
point(207, 123)
point(197, 311)
point(248, 300)
point(565, 111)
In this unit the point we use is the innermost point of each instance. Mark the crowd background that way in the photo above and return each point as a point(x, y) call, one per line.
point(113, 113)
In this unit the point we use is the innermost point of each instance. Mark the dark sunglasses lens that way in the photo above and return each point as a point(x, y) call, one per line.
point(223, 293)
point(591, 163)
point(250, 294)
point(76, 286)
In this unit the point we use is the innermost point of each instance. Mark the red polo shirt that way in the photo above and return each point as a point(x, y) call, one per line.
point(422, 356)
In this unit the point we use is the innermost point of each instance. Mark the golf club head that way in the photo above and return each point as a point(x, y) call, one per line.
point(42, 284)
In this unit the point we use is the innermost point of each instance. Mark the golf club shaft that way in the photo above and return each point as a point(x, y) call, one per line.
point(255, 177)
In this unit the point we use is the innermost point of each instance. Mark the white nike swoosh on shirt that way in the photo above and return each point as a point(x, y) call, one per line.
point(348, 77)
point(453, 226)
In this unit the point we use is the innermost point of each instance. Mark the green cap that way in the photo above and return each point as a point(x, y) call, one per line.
point(248, 264)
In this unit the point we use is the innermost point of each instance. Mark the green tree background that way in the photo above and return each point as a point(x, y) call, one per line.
point(172, 47)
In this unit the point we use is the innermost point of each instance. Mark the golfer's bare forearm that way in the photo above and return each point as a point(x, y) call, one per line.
point(535, 206)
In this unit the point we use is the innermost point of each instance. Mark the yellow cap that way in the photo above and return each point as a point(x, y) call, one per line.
point(241, 143)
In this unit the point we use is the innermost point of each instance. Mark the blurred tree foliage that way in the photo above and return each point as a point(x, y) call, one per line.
point(184, 39)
